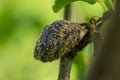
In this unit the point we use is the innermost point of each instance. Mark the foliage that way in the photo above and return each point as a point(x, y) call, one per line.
point(59, 4)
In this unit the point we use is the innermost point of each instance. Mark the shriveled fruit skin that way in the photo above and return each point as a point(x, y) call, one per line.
point(57, 40)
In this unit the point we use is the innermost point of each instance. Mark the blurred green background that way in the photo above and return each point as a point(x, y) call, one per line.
point(21, 23)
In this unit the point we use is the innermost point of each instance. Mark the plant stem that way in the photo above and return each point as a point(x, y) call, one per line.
point(66, 61)
point(67, 12)
point(65, 68)
point(112, 4)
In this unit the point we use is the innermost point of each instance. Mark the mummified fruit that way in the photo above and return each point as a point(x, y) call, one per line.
point(57, 40)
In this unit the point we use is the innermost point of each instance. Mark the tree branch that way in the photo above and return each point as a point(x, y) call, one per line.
point(66, 61)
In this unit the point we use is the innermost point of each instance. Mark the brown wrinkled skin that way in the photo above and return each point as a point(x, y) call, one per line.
point(57, 40)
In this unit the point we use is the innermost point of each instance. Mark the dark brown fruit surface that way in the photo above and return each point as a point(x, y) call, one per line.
point(57, 40)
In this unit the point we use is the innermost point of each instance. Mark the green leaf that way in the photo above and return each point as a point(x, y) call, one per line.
point(59, 4)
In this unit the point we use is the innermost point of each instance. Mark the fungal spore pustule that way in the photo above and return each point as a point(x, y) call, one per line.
point(57, 40)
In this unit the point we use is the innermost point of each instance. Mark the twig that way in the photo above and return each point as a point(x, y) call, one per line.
point(66, 61)
point(67, 12)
